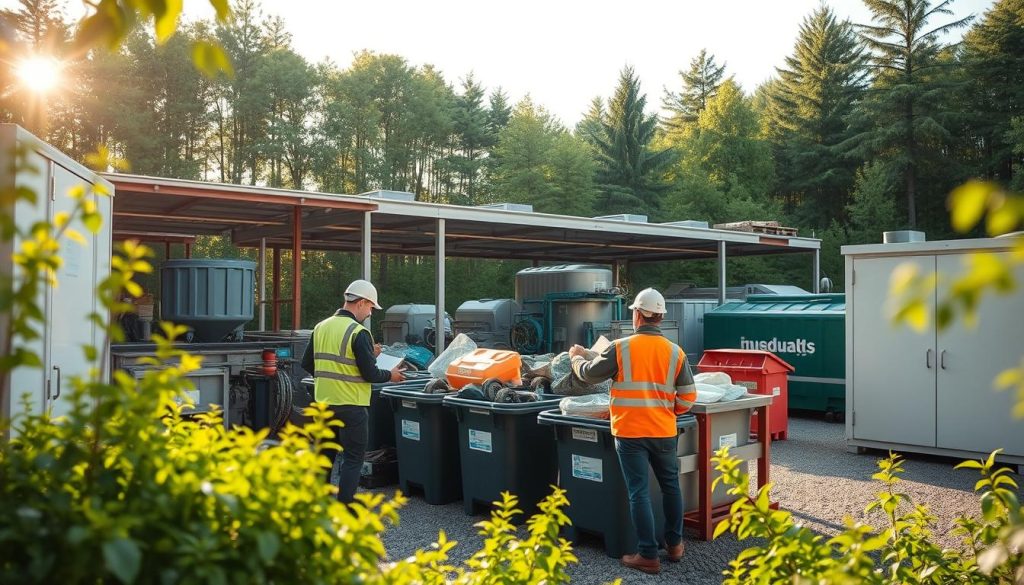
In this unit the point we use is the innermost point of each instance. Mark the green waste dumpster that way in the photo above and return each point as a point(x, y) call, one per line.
point(427, 441)
point(807, 331)
point(589, 471)
point(504, 449)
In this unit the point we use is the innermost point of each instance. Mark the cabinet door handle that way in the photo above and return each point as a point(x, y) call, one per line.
point(942, 359)
point(57, 395)
point(928, 359)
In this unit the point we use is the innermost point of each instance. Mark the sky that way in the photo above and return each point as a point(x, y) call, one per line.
point(563, 53)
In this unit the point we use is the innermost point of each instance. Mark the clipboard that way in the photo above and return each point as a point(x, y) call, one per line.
point(388, 362)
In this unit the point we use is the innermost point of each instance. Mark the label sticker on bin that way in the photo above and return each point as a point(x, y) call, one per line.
point(585, 435)
point(588, 468)
point(410, 430)
point(408, 404)
point(727, 441)
point(776, 390)
point(480, 440)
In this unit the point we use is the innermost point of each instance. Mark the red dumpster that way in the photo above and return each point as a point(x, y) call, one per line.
point(762, 372)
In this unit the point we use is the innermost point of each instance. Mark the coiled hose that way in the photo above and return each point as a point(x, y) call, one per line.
point(283, 400)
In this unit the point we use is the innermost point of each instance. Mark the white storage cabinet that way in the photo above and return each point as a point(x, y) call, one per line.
point(930, 392)
point(68, 304)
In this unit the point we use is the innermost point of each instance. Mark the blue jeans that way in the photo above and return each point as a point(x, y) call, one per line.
point(352, 437)
point(634, 456)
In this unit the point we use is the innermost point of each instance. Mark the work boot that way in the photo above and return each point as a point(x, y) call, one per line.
point(675, 553)
point(638, 562)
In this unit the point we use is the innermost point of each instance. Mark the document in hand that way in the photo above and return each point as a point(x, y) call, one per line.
point(388, 362)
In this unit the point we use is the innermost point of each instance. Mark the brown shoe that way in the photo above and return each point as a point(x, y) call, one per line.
point(675, 553)
point(635, 561)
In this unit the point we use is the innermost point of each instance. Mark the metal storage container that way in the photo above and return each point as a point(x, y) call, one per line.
point(487, 321)
point(689, 317)
point(807, 331)
point(624, 328)
point(409, 324)
point(215, 298)
point(533, 283)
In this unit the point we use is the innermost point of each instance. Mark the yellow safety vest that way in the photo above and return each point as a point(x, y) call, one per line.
point(338, 381)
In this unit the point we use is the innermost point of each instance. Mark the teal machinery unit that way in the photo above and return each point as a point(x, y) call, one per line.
point(562, 305)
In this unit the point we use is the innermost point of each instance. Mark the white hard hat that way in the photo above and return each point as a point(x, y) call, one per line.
point(364, 290)
point(650, 301)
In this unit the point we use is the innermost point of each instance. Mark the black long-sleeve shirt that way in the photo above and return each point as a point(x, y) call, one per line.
point(362, 347)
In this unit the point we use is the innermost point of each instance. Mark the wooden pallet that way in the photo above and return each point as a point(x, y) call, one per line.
point(757, 227)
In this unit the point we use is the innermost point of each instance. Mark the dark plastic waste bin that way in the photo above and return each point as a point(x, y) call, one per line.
point(504, 449)
point(382, 420)
point(589, 471)
point(762, 372)
point(427, 440)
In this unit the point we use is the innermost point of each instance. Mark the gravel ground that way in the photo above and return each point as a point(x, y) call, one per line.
point(815, 478)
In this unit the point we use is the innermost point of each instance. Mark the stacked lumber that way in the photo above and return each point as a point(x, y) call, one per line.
point(757, 227)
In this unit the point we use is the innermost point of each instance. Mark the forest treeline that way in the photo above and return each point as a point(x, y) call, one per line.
point(865, 127)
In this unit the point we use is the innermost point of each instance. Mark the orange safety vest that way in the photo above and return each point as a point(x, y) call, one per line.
point(644, 396)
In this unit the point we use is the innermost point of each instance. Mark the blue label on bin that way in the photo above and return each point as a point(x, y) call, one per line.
point(587, 468)
point(480, 440)
point(410, 430)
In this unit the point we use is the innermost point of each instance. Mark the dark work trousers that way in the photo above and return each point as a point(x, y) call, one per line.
point(634, 457)
point(352, 437)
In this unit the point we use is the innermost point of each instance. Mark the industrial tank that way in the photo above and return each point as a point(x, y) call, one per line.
point(412, 324)
point(214, 298)
point(533, 283)
point(563, 305)
point(487, 321)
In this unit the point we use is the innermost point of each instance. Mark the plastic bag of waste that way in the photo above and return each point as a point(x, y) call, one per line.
point(713, 378)
point(708, 393)
point(591, 406)
point(733, 391)
point(564, 382)
point(459, 347)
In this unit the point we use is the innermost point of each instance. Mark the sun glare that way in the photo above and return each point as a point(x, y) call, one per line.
point(40, 74)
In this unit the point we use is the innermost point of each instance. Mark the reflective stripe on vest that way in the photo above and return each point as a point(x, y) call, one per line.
point(644, 397)
point(338, 380)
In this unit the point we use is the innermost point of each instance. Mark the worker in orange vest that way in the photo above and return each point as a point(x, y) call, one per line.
point(651, 386)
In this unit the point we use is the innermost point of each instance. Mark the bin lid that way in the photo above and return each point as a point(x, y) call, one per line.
point(724, 360)
point(832, 306)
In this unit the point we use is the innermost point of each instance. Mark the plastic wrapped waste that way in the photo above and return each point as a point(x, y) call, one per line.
point(708, 393)
point(459, 347)
point(733, 391)
point(713, 378)
point(564, 382)
point(590, 406)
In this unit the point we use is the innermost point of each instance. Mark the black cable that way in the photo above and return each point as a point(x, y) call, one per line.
point(283, 400)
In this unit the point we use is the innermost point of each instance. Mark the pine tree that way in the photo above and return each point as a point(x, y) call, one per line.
point(631, 172)
point(591, 127)
point(499, 112)
point(807, 109)
point(40, 24)
point(993, 63)
point(905, 125)
point(700, 83)
point(473, 137)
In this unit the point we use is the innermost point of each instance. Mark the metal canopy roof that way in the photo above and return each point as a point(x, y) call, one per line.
point(149, 205)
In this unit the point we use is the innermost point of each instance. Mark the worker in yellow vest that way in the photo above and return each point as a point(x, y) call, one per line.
point(651, 386)
point(342, 357)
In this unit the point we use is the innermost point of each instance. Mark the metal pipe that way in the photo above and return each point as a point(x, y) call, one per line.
point(615, 274)
point(439, 297)
point(366, 249)
point(296, 268)
point(275, 311)
point(261, 272)
point(721, 272)
point(816, 285)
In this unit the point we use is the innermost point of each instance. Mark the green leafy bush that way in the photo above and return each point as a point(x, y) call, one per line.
point(902, 551)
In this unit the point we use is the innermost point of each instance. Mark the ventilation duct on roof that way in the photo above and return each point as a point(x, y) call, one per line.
point(390, 195)
point(689, 223)
point(630, 217)
point(508, 207)
point(903, 237)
